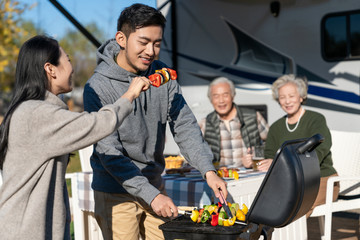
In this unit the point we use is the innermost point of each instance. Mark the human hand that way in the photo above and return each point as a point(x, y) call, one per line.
point(215, 182)
point(264, 165)
point(247, 159)
point(163, 206)
point(137, 85)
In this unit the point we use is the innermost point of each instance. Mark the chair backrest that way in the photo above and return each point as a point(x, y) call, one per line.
point(346, 159)
point(262, 108)
point(85, 155)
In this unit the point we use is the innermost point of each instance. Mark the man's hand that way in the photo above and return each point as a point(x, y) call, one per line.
point(163, 206)
point(247, 159)
point(215, 182)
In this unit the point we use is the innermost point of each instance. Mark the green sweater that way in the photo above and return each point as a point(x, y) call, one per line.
point(310, 124)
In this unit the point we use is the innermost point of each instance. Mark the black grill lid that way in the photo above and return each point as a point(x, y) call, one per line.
point(290, 186)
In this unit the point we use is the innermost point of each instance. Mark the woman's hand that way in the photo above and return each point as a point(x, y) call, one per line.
point(264, 165)
point(137, 85)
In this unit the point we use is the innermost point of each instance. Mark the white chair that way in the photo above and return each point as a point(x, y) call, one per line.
point(85, 225)
point(85, 155)
point(346, 158)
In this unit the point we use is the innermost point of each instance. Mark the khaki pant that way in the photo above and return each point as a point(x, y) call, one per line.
point(125, 217)
point(321, 197)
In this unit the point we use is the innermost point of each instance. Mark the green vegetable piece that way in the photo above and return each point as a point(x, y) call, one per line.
point(205, 216)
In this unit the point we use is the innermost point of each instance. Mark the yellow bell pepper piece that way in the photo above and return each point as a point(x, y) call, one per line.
point(211, 208)
point(194, 215)
point(244, 208)
point(236, 175)
point(229, 222)
point(240, 215)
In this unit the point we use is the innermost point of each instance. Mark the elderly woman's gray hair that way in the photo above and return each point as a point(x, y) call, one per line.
point(299, 82)
point(221, 80)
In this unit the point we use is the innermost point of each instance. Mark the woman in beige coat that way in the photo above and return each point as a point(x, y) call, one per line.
point(37, 134)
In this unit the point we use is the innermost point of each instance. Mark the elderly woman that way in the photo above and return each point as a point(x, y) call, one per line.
point(290, 92)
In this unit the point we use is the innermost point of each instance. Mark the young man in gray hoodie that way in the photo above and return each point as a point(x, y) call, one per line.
point(127, 165)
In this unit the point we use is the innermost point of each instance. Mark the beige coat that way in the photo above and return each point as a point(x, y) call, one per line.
point(33, 198)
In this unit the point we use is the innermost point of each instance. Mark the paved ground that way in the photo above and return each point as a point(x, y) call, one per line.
point(345, 226)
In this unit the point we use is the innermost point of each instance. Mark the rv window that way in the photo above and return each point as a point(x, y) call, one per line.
point(355, 34)
point(341, 36)
point(335, 38)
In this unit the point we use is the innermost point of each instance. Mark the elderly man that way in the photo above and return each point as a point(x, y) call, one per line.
point(229, 130)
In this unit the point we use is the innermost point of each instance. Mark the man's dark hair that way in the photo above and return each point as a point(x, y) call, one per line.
point(138, 16)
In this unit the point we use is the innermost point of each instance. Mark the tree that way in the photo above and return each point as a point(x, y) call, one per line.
point(81, 52)
point(11, 36)
point(14, 31)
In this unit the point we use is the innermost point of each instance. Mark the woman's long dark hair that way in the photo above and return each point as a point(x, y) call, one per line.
point(31, 81)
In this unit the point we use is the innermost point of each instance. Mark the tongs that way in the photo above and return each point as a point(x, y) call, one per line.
point(224, 204)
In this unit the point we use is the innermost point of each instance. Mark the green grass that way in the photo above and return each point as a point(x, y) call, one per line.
point(73, 166)
point(72, 235)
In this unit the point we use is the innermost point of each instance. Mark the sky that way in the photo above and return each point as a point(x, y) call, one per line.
point(103, 12)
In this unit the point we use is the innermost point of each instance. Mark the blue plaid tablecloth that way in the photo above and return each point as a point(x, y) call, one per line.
point(188, 190)
point(192, 189)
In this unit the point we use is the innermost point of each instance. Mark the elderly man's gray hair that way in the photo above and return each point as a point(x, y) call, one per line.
point(221, 80)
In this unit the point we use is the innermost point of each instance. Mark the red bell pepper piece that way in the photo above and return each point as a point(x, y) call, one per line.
point(162, 76)
point(200, 214)
point(173, 74)
point(155, 79)
point(214, 219)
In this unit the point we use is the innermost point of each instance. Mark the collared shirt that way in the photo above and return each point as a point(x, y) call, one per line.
point(232, 145)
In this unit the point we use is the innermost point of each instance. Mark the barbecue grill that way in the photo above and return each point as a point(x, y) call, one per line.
point(287, 193)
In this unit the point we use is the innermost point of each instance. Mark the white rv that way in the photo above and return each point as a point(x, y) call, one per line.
point(252, 42)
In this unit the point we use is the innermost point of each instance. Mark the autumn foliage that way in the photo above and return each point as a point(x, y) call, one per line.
point(10, 36)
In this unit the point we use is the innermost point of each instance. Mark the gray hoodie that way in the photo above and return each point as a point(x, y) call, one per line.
point(131, 159)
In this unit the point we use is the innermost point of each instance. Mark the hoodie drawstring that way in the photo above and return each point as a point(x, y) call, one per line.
point(143, 99)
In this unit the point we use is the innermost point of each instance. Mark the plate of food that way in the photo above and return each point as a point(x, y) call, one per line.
point(228, 173)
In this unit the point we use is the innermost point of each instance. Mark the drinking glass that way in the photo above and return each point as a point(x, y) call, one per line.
point(257, 155)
